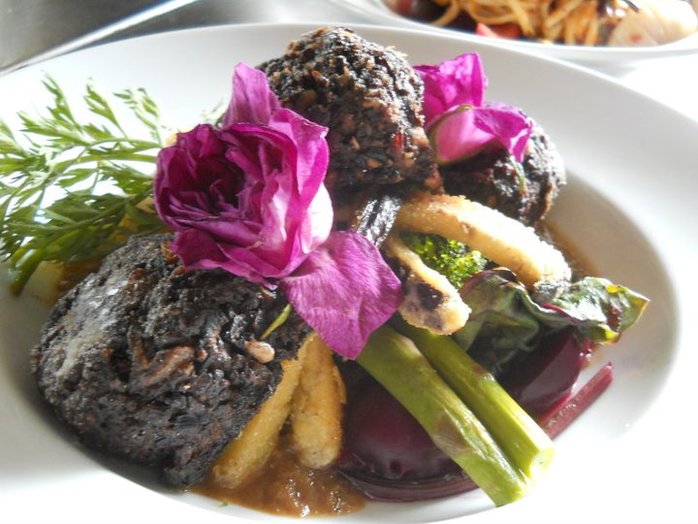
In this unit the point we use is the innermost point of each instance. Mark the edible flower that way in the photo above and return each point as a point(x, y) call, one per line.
point(459, 121)
point(249, 197)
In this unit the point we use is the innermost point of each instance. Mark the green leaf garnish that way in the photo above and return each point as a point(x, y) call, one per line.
point(71, 190)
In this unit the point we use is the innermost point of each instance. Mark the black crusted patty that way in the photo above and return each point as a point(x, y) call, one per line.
point(147, 362)
point(524, 191)
point(369, 97)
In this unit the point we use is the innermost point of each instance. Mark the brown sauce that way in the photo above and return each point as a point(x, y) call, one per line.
point(579, 262)
point(287, 488)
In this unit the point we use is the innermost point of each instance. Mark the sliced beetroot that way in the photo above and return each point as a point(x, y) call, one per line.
point(382, 440)
point(556, 421)
point(389, 457)
point(545, 377)
point(387, 490)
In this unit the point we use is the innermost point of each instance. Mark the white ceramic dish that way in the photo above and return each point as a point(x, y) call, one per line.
point(629, 205)
point(600, 57)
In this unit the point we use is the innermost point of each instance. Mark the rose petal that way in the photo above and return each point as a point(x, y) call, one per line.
point(197, 250)
point(313, 151)
point(254, 193)
point(253, 100)
point(459, 122)
point(296, 211)
point(456, 136)
point(452, 83)
point(194, 161)
point(344, 290)
point(465, 131)
point(510, 127)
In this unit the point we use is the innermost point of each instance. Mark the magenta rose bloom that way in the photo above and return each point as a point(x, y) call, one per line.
point(459, 121)
point(249, 198)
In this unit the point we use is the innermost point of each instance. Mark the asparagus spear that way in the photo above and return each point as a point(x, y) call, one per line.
point(526, 445)
point(395, 362)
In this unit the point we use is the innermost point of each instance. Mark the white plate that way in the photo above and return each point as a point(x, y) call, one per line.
point(630, 206)
point(604, 56)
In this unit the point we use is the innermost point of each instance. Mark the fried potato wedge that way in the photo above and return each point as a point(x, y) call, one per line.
point(316, 412)
point(501, 239)
point(245, 456)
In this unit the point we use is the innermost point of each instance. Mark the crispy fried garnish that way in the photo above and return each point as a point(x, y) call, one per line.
point(316, 412)
point(245, 456)
point(430, 300)
point(498, 237)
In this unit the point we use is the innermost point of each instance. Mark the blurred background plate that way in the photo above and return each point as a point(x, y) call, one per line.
point(600, 57)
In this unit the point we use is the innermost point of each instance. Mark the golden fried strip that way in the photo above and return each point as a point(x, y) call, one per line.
point(245, 456)
point(501, 239)
point(316, 412)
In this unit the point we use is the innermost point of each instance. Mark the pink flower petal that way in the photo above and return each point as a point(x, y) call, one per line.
point(459, 121)
point(252, 192)
point(455, 136)
point(465, 131)
point(344, 290)
point(452, 83)
point(510, 127)
point(253, 100)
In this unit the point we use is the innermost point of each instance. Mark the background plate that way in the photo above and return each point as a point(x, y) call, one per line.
point(591, 56)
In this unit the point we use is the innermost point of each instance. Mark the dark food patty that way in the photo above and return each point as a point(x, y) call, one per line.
point(147, 362)
point(369, 97)
point(524, 191)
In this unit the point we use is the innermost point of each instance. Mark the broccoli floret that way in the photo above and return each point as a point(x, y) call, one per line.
point(451, 258)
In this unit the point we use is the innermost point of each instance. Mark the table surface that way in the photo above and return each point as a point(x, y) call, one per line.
point(34, 30)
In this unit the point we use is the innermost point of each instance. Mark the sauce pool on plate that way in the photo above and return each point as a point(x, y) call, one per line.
point(285, 487)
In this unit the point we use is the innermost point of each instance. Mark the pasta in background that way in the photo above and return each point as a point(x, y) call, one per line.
point(581, 22)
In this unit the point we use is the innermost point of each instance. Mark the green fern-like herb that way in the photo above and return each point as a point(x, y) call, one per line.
point(72, 191)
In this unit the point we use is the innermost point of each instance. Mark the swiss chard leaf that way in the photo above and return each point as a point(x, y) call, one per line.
point(506, 320)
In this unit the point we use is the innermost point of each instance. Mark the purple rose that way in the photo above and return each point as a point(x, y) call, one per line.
point(459, 121)
point(249, 198)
